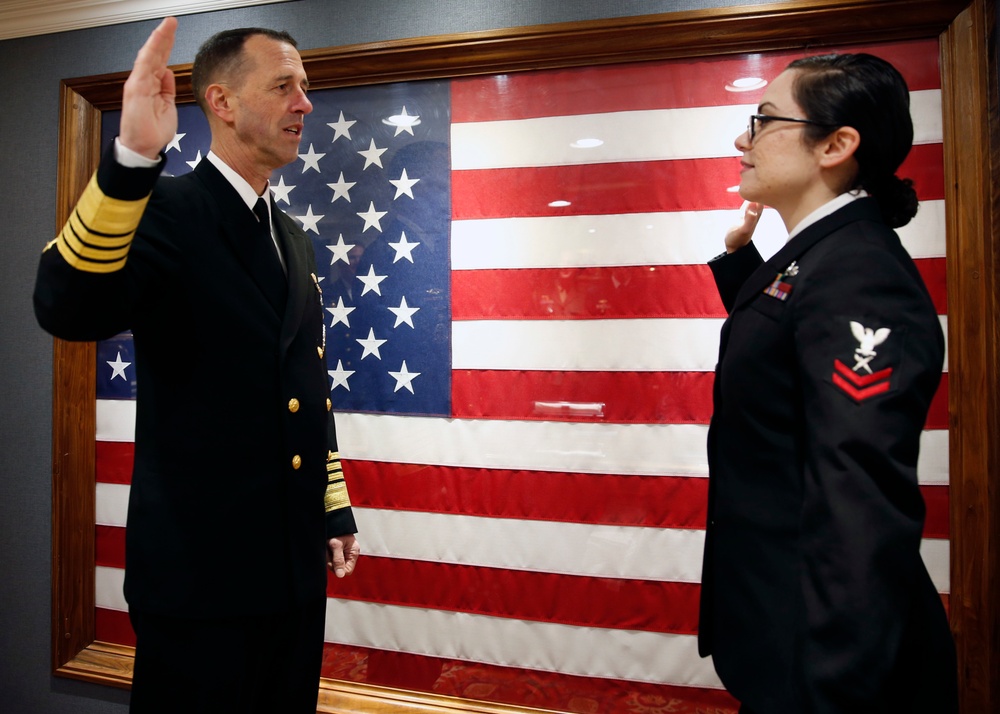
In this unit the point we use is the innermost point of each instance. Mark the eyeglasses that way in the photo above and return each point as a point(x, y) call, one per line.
point(758, 120)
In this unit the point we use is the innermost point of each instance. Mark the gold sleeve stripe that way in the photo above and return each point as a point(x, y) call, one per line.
point(99, 232)
point(336, 496)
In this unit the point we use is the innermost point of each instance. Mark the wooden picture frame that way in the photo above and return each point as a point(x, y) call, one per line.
point(972, 155)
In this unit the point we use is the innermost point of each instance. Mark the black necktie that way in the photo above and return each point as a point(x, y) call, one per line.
point(263, 259)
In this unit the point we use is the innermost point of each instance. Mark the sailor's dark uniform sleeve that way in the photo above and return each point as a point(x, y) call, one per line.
point(731, 270)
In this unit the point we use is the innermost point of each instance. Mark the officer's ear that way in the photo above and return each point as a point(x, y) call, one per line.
point(220, 101)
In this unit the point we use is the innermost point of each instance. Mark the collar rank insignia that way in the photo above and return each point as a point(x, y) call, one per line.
point(860, 382)
point(779, 288)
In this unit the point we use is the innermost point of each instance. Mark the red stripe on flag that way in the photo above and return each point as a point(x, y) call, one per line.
point(655, 85)
point(619, 397)
point(937, 415)
point(113, 626)
point(613, 292)
point(937, 523)
point(925, 165)
point(109, 546)
point(934, 271)
point(633, 186)
point(565, 293)
point(524, 595)
point(600, 499)
point(537, 495)
point(596, 189)
point(114, 461)
point(520, 687)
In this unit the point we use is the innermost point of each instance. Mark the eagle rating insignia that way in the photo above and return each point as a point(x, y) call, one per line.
point(860, 382)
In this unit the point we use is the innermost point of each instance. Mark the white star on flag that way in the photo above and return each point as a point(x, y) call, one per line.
point(339, 376)
point(404, 122)
point(340, 249)
point(340, 313)
point(175, 143)
point(373, 155)
point(371, 281)
point(373, 218)
point(404, 378)
point(197, 160)
point(311, 159)
point(403, 248)
point(342, 188)
point(404, 185)
point(118, 367)
point(281, 191)
point(341, 127)
point(310, 221)
point(371, 344)
point(403, 313)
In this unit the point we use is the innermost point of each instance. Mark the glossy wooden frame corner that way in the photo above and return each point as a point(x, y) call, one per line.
point(972, 158)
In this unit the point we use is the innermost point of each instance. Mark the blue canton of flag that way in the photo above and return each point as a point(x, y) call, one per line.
point(372, 189)
point(116, 368)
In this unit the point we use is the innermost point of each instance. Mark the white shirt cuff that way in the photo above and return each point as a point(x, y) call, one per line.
point(132, 159)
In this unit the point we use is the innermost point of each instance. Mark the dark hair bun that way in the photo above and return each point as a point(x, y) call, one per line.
point(896, 197)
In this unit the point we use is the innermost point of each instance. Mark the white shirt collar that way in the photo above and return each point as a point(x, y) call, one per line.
point(826, 209)
point(250, 197)
point(244, 189)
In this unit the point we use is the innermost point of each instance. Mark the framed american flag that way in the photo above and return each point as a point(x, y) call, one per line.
point(522, 337)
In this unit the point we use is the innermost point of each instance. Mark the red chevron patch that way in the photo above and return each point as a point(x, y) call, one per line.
point(860, 387)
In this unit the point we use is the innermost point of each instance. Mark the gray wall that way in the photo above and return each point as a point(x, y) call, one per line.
point(30, 71)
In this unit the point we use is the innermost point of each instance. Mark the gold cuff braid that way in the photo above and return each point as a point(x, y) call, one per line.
point(336, 489)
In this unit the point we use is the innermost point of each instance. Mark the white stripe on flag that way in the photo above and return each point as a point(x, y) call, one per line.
point(641, 238)
point(111, 506)
point(594, 345)
point(653, 449)
point(109, 592)
point(666, 554)
point(936, 553)
point(923, 237)
point(626, 345)
point(666, 134)
point(925, 108)
point(658, 554)
point(588, 241)
point(116, 420)
point(689, 133)
point(662, 554)
point(585, 651)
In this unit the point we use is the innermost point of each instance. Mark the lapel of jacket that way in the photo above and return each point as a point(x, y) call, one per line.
point(861, 209)
point(236, 220)
point(302, 285)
